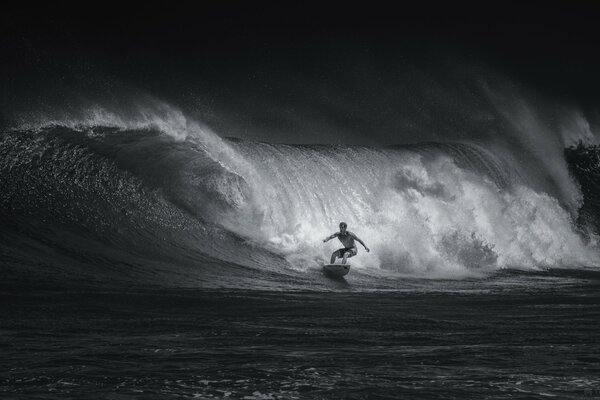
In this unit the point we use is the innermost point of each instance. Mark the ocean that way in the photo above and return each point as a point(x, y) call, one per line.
point(518, 337)
point(153, 258)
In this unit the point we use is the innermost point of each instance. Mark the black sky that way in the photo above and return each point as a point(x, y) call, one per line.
point(232, 50)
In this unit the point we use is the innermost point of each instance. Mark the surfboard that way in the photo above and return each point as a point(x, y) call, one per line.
point(336, 270)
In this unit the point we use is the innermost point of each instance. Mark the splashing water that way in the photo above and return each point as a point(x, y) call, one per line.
point(429, 210)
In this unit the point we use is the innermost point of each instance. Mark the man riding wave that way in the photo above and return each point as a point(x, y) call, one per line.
point(347, 238)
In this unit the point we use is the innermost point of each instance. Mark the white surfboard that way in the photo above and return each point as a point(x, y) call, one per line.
point(336, 270)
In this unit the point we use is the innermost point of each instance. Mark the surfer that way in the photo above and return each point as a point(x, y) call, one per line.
point(347, 238)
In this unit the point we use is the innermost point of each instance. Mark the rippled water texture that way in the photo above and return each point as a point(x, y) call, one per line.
point(511, 340)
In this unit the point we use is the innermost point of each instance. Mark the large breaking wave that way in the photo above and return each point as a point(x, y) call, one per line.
point(164, 200)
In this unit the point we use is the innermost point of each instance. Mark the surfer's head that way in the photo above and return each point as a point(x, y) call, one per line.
point(343, 227)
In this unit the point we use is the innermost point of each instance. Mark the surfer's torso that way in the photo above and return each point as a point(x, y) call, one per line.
point(347, 239)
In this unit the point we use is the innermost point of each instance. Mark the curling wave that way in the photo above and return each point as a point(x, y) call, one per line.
point(166, 201)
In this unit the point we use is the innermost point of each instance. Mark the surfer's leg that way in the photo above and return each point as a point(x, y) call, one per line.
point(333, 257)
point(346, 254)
point(336, 254)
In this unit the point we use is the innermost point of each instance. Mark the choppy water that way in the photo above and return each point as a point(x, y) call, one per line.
point(511, 337)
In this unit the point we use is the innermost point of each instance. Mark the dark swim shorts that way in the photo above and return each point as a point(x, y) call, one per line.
point(351, 250)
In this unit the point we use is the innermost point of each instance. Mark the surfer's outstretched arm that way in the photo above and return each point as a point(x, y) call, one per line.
point(360, 241)
point(329, 237)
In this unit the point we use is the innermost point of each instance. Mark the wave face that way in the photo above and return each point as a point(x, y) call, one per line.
point(168, 202)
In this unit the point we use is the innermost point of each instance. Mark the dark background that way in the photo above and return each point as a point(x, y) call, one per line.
point(253, 68)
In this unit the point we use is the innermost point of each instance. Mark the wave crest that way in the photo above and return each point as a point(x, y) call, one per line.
point(432, 210)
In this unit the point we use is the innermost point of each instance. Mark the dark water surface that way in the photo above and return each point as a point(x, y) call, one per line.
point(503, 344)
